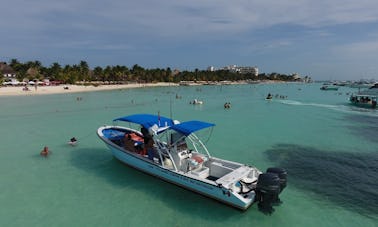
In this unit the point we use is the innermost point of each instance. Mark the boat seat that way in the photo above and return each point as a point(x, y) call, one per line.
point(230, 178)
point(217, 170)
point(202, 172)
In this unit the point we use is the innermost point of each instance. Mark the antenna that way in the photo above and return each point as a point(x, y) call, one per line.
point(170, 100)
point(170, 106)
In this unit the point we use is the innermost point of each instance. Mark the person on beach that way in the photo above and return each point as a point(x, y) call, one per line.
point(45, 151)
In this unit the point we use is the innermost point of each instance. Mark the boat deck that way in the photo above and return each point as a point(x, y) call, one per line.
point(233, 176)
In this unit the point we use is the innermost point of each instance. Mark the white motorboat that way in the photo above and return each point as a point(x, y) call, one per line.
point(170, 150)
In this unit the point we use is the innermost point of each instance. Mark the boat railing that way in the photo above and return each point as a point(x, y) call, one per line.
point(175, 145)
point(163, 152)
point(197, 144)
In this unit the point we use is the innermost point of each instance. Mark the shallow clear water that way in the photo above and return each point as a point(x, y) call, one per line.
point(328, 147)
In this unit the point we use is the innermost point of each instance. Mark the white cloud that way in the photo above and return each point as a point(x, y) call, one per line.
point(246, 27)
point(187, 18)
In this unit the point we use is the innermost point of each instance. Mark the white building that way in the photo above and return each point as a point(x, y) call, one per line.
point(237, 69)
point(211, 68)
point(248, 69)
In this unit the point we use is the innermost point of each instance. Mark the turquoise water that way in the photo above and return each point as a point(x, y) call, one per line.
point(328, 147)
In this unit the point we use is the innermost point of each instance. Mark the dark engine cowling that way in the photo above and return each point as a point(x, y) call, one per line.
point(269, 186)
point(282, 174)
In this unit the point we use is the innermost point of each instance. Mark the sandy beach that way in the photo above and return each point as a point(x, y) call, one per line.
point(67, 88)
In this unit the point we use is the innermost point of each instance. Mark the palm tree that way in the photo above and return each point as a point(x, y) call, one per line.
point(97, 73)
point(55, 71)
point(84, 70)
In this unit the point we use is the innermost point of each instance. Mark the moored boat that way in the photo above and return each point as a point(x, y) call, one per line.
point(367, 98)
point(196, 102)
point(329, 87)
point(170, 150)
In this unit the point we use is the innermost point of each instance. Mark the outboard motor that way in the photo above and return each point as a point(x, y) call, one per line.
point(282, 174)
point(269, 186)
point(267, 190)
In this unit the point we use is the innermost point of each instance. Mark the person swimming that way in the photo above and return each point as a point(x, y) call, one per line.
point(45, 151)
point(72, 141)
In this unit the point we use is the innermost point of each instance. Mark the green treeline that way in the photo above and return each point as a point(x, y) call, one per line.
point(34, 70)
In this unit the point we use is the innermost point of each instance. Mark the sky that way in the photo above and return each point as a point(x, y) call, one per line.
point(323, 39)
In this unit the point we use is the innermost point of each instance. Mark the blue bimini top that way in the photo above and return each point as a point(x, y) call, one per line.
point(189, 127)
point(147, 120)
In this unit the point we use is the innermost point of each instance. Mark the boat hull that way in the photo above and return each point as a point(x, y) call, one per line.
point(325, 88)
point(364, 101)
point(364, 105)
point(213, 191)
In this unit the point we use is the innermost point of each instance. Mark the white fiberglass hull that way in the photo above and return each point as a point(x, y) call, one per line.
point(209, 189)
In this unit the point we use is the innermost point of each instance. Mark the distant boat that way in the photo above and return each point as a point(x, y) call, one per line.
point(329, 87)
point(180, 157)
point(362, 84)
point(367, 98)
point(196, 102)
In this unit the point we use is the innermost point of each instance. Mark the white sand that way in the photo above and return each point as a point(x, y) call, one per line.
point(45, 90)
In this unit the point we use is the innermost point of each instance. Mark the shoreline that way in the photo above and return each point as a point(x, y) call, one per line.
point(62, 89)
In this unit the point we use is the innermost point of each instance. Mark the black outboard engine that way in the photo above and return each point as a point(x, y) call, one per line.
point(282, 174)
point(269, 186)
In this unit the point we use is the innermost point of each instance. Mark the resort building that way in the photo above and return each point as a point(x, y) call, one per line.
point(247, 69)
point(7, 71)
point(211, 69)
point(238, 69)
point(7, 75)
point(296, 76)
